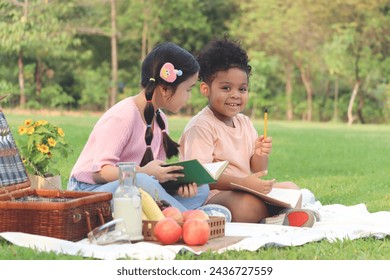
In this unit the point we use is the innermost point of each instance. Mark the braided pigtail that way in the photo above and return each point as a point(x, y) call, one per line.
point(148, 114)
point(171, 148)
point(166, 66)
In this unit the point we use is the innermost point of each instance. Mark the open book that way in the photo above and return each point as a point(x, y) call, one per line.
point(195, 172)
point(288, 198)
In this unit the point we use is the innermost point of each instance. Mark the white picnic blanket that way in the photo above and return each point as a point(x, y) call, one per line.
point(338, 222)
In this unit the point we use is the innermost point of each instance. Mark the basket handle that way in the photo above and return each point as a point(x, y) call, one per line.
point(88, 218)
point(101, 217)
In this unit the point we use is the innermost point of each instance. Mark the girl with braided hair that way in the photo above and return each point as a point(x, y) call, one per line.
point(136, 130)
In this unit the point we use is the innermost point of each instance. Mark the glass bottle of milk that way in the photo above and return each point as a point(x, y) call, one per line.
point(127, 201)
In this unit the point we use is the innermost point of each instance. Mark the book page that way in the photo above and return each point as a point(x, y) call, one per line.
point(215, 168)
point(288, 198)
point(286, 195)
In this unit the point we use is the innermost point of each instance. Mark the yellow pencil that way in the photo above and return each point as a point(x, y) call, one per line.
point(265, 122)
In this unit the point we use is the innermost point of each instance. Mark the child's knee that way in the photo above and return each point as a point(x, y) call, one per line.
point(249, 209)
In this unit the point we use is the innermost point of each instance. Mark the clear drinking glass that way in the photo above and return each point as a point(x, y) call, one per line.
point(110, 233)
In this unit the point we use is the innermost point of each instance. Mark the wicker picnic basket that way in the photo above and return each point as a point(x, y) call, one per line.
point(68, 215)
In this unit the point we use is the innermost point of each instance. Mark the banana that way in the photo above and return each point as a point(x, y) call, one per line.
point(150, 207)
point(144, 217)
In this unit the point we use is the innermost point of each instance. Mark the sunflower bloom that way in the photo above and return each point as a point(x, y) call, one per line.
point(44, 149)
point(51, 142)
point(30, 130)
point(60, 132)
point(41, 122)
point(40, 141)
point(22, 130)
point(28, 122)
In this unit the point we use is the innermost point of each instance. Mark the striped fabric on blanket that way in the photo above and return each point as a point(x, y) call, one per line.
point(12, 170)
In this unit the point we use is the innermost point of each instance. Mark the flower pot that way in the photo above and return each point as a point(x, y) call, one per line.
point(51, 183)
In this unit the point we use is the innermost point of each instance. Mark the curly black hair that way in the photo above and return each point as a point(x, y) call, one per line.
point(221, 55)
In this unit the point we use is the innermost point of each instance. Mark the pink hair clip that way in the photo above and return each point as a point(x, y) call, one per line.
point(169, 73)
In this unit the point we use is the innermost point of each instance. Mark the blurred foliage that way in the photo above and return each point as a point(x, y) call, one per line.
point(321, 49)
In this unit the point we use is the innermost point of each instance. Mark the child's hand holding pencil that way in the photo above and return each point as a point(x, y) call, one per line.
point(263, 145)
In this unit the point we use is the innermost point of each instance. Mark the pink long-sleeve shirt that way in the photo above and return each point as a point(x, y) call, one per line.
point(118, 136)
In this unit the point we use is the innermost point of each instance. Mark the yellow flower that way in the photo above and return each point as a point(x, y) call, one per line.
point(22, 130)
point(41, 122)
point(28, 122)
point(51, 142)
point(41, 142)
point(44, 149)
point(30, 130)
point(60, 132)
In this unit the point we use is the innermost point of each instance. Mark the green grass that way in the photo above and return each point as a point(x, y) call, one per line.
point(340, 164)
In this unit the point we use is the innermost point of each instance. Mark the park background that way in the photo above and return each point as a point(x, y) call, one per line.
point(312, 60)
point(320, 67)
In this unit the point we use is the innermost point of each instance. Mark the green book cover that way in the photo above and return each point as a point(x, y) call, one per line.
point(195, 172)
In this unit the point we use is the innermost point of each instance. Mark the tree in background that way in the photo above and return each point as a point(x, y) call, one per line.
point(299, 33)
point(312, 60)
point(34, 31)
point(290, 30)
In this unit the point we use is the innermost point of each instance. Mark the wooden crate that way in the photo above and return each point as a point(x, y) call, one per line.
point(217, 228)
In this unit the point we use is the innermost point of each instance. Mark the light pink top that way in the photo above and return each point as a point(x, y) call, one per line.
point(118, 136)
point(209, 140)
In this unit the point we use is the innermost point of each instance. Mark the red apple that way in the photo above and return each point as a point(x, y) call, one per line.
point(196, 232)
point(167, 231)
point(192, 214)
point(174, 213)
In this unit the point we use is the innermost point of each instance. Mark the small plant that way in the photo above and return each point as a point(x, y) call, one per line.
point(42, 146)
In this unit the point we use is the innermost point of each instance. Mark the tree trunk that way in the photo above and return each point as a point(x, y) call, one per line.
point(336, 100)
point(38, 77)
point(362, 98)
point(147, 45)
point(22, 100)
point(305, 75)
point(114, 57)
point(351, 101)
point(355, 88)
point(288, 72)
point(360, 108)
point(144, 36)
point(144, 48)
point(324, 100)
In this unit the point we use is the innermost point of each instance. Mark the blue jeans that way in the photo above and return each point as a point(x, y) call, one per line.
point(150, 185)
